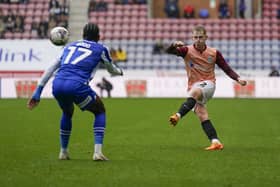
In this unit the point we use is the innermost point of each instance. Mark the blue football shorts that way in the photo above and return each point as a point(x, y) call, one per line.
point(67, 92)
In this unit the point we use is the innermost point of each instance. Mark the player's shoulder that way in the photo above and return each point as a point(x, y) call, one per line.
point(103, 47)
point(211, 48)
point(211, 51)
point(189, 47)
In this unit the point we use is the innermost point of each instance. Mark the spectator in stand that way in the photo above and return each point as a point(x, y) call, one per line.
point(274, 72)
point(242, 8)
point(121, 55)
point(113, 54)
point(62, 17)
point(2, 24)
point(34, 29)
point(223, 9)
point(64, 8)
point(101, 6)
point(92, 5)
point(54, 7)
point(188, 11)
point(171, 9)
point(43, 28)
point(2, 27)
point(19, 24)
point(278, 13)
point(10, 22)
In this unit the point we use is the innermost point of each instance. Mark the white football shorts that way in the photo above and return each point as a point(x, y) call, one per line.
point(207, 87)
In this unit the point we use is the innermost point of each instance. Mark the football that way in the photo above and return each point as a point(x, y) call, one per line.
point(59, 36)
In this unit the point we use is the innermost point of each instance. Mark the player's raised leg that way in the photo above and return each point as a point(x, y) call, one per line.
point(188, 105)
point(183, 110)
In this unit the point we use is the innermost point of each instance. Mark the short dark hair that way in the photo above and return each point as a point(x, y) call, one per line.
point(91, 32)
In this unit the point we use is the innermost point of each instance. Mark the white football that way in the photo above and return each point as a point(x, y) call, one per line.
point(59, 35)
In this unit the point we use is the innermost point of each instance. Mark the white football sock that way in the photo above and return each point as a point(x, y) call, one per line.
point(98, 148)
point(215, 141)
point(63, 150)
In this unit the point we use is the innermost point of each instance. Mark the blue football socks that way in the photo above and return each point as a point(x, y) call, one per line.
point(65, 130)
point(99, 128)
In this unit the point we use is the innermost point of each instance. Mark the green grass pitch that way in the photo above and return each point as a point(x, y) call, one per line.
point(143, 149)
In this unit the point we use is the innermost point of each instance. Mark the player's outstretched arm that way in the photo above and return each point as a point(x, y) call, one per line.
point(111, 67)
point(220, 61)
point(35, 99)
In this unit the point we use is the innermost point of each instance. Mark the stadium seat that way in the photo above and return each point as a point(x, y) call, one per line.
point(26, 35)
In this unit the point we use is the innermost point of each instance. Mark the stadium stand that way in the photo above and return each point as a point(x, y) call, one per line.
point(129, 23)
point(129, 26)
point(36, 17)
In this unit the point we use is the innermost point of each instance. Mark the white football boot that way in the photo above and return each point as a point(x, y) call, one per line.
point(99, 157)
point(64, 155)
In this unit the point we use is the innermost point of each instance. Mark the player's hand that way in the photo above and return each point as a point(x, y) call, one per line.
point(32, 103)
point(35, 99)
point(242, 82)
point(121, 73)
point(178, 44)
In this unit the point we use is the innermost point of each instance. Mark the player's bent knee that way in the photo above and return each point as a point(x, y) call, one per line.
point(99, 109)
point(68, 111)
point(202, 116)
point(97, 106)
point(196, 94)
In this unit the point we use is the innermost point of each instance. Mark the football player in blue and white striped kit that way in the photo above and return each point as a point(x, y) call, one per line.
point(74, 69)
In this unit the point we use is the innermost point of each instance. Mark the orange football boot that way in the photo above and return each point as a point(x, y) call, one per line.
point(174, 119)
point(215, 146)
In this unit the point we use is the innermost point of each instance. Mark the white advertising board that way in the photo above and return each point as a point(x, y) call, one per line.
point(129, 86)
point(27, 55)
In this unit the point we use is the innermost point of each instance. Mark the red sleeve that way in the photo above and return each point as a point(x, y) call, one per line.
point(220, 61)
point(182, 51)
